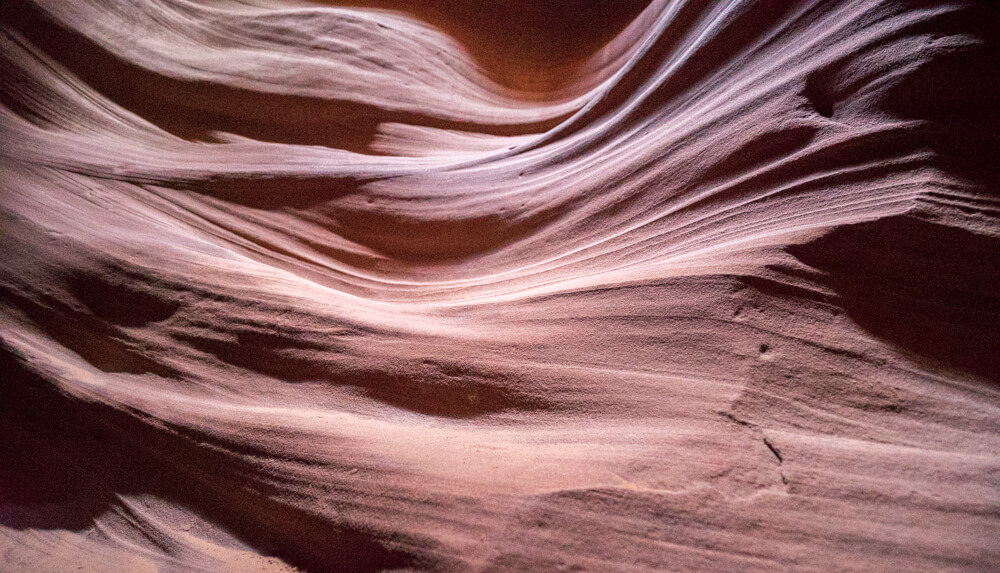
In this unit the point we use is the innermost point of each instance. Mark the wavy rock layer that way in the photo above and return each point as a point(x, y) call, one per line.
point(352, 286)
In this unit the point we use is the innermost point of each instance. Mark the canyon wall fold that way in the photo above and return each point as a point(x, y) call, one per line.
point(499, 286)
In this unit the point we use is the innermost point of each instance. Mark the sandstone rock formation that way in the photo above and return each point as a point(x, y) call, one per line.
point(499, 286)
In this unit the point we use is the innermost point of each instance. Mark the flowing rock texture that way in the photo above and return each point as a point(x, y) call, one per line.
point(502, 285)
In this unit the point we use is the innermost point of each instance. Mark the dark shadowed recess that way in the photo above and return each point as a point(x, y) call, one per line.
point(272, 192)
point(100, 342)
point(430, 241)
point(955, 91)
point(431, 388)
point(929, 289)
point(401, 237)
point(194, 110)
point(64, 460)
point(405, 239)
point(528, 45)
point(959, 94)
point(121, 299)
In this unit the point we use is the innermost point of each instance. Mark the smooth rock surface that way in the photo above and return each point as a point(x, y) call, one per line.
point(499, 286)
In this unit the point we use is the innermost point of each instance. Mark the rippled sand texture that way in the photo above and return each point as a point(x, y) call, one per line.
point(499, 286)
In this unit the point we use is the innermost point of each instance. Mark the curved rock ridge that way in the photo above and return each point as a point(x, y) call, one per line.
point(511, 285)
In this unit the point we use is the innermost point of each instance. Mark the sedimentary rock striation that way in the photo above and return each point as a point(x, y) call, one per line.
point(498, 286)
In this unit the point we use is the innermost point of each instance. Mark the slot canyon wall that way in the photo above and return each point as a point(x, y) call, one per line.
point(511, 285)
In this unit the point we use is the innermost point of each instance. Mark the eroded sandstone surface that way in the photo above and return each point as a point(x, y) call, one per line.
point(507, 285)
